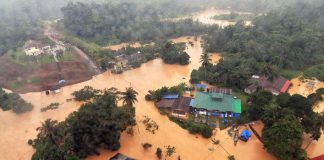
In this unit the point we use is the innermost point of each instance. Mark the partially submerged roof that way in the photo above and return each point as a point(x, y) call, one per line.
point(165, 103)
point(120, 156)
point(182, 103)
point(227, 103)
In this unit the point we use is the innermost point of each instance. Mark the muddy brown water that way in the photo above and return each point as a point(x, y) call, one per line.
point(17, 129)
point(206, 17)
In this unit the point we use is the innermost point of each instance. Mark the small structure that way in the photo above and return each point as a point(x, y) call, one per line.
point(35, 48)
point(310, 85)
point(201, 87)
point(120, 156)
point(276, 85)
point(175, 105)
point(245, 135)
point(56, 89)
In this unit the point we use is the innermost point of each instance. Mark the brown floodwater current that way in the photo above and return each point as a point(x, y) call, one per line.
point(15, 130)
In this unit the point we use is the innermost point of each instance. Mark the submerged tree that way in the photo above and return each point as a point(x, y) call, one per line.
point(205, 62)
point(96, 124)
point(129, 97)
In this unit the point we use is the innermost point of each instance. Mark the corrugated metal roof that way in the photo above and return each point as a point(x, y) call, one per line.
point(170, 96)
point(201, 86)
point(226, 104)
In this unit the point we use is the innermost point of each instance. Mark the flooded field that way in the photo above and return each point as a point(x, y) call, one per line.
point(16, 130)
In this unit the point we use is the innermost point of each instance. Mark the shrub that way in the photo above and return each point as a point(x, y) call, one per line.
point(30, 142)
point(231, 157)
point(52, 106)
point(85, 93)
point(158, 153)
point(193, 127)
point(146, 145)
point(15, 102)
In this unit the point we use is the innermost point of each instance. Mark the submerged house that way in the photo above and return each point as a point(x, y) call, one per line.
point(218, 102)
point(276, 85)
point(175, 105)
point(120, 156)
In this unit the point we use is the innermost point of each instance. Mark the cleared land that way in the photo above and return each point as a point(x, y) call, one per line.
point(22, 74)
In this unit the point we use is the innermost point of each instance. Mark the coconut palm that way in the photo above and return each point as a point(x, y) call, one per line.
point(205, 62)
point(129, 97)
point(48, 129)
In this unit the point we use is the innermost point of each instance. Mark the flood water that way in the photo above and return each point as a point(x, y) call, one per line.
point(17, 129)
point(206, 17)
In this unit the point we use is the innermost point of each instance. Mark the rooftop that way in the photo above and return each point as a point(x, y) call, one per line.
point(224, 103)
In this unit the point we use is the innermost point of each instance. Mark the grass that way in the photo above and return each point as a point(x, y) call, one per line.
point(290, 74)
point(20, 83)
point(316, 71)
point(19, 57)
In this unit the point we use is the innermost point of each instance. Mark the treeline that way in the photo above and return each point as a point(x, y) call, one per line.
point(12, 101)
point(172, 53)
point(23, 19)
point(286, 118)
point(156, 95)
point(97, 124)
point(123, 22)
point(291, 39)
point(257, 6)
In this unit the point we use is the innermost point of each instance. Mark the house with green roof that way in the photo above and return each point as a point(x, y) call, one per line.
point(217, 103)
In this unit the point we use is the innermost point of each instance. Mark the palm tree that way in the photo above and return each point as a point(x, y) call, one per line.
point(129, 97)
point(48, 129)
point(205, 62)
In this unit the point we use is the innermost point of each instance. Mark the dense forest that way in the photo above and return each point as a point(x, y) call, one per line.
point(77, 136)
point(23, 19)
point(289, 39)
point(107, 23)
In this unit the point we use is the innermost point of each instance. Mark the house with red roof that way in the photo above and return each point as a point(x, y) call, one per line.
point(275, 85)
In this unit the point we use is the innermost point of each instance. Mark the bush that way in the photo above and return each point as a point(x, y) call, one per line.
point(159, 93)
point(193, 127)
point(146, 145)
point(85, 93)
point(158, 153)
point(231, 157)
point(52, 106)
point(15, 102)
point(30, 142)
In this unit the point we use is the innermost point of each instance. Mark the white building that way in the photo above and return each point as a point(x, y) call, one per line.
point(35, 48)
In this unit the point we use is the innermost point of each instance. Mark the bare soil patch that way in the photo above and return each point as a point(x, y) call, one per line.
point(40, 77)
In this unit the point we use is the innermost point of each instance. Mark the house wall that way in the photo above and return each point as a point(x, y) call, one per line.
point(33, 51)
